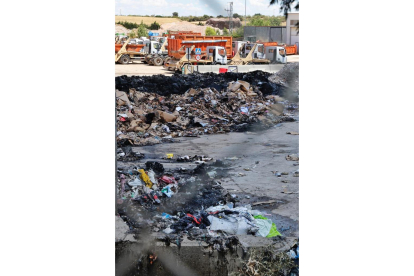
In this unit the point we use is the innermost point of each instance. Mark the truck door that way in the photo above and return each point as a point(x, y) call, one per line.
point(281, 55)
point(222, 56)
point(260, 51)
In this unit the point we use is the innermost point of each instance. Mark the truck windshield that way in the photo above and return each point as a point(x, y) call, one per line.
point(282, 52)
point(222, 52)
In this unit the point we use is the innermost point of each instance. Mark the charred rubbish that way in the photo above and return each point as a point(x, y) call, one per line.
point(148, 118)
point(179, 84)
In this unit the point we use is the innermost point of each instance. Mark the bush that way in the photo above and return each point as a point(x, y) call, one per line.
point(154, 26)
point(200, 24)
point(128, 25)
point(226, 32)
point(239, 32)
point(210, 31)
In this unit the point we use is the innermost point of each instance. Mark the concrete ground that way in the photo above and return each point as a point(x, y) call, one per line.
point(293, 58)
point(137, 68)
point(258, 157)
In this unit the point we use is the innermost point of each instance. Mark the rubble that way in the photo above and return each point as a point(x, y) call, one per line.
point(146, 118)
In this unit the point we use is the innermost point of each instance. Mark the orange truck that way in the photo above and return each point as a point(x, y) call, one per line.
point(175, 44)
point(290, 49)
point(129, 47)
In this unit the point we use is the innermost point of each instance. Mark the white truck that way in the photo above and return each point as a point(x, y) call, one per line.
point(215, 55)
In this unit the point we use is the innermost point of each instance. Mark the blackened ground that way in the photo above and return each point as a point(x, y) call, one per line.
point(179, 84)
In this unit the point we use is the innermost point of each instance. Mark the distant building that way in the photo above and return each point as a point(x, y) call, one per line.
point(291, 31)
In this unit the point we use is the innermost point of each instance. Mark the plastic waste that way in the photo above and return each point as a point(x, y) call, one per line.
point(273, 230)
point(212, 174)
point(165, 215)
point(151, 176)
point(145, 178)
point(136, 182)
point(170, 155)
point(292, 254)
point(155, 197)
point(167, 191)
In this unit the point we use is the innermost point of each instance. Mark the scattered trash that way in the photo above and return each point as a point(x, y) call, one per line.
point(264, 202)
point(232, 158)
point(292, 133)
point(170, 155)
point(292, 157)
point(267, 228)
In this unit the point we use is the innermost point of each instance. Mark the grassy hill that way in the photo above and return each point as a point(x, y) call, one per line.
point(147, 20)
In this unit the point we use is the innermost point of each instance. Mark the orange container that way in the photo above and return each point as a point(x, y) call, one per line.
point(129, 47)
point(199, 42)
point(291, 50)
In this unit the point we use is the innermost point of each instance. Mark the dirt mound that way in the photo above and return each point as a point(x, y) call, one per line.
point(222, 23)
point(182, 26)
point(121, 29)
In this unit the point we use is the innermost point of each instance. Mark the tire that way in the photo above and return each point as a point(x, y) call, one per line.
point(167, 60)
point(158, 61)
point(124, 59)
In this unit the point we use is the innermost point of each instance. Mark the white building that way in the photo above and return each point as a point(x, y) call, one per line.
point(291, 31)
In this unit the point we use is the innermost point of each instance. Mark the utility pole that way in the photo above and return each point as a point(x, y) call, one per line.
point(230, 11)
point(245, 13)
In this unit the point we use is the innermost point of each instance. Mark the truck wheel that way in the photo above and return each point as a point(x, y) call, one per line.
point(124, 59)
point(167, 60)
point(157, 61)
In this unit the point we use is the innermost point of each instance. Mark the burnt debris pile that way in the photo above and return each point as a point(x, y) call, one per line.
point(146, 118)
point(178, 84)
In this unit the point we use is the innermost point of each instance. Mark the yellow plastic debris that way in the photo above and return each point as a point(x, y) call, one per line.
point(145, 178)
point(170, 155)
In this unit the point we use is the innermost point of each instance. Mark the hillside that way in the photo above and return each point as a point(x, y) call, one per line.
point(147, 20)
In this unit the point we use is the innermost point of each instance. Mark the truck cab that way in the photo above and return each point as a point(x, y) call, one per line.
point(217, 54)
point(276, 54)
point(236, 46)
point(152, 47)
point(258, 52)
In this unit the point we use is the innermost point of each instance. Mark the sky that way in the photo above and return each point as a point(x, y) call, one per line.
point(194, 7)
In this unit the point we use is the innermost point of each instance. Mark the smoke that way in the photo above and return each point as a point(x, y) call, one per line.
point(216, 6)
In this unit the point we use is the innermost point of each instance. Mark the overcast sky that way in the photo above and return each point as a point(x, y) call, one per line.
point(194, 7)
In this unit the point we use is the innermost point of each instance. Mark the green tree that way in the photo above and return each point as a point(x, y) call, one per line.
point(274, 21)
point(175, 14)
point(142, 30)
point(226, 32)
point(219, 16)
point(285, 6)
point(236, 15)
point(132, 34)
point(210, 31)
